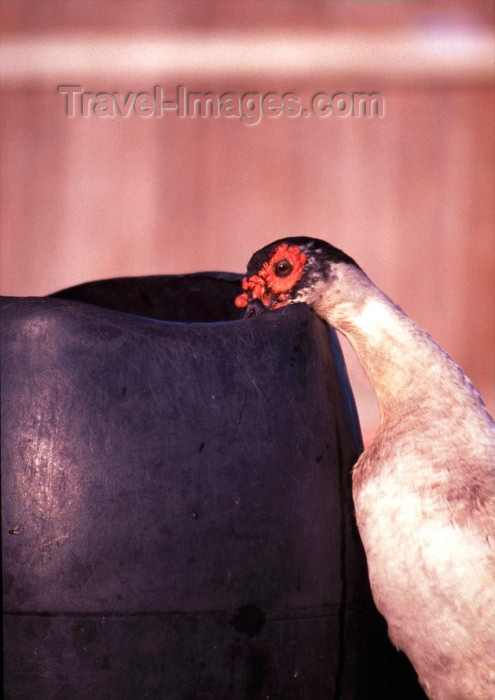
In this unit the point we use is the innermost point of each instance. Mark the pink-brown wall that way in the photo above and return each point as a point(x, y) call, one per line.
point(409, 194)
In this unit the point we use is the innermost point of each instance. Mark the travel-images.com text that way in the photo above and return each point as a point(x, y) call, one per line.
point(249, 107)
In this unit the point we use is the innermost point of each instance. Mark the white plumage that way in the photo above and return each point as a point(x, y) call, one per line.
point(424, 489)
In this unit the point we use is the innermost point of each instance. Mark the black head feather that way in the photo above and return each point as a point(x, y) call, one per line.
point(315, 247)
point(287, 269)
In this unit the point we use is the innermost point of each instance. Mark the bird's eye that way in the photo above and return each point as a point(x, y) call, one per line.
point(283, 268)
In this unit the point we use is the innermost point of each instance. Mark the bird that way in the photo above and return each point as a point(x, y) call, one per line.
point(424, 487)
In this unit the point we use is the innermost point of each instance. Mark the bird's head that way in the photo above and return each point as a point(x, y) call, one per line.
point(291, 270)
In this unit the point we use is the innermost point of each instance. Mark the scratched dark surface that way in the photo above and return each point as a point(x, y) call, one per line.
point(176, 508)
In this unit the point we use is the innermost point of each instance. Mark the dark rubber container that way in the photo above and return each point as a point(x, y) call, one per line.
point(177, 518)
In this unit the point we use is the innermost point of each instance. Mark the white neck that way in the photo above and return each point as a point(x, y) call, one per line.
point(404, 365)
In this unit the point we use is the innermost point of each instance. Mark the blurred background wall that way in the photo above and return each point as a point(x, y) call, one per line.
point(409, 194)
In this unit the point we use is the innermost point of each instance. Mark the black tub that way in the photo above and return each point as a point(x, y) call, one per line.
point(177, 520)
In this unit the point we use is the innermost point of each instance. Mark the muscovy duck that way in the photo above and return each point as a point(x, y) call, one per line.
point(424, 488)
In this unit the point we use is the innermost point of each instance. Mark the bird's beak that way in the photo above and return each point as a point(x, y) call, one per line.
point(256, 290)
point(255, 308)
